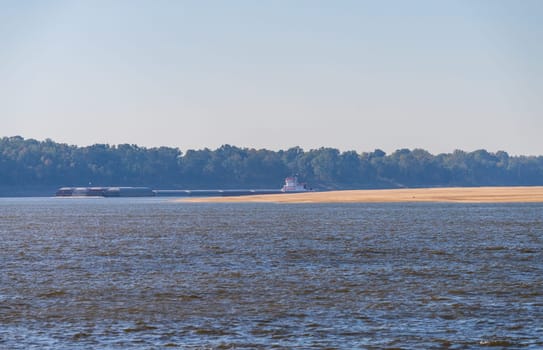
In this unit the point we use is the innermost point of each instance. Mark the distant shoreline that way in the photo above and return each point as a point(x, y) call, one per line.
point(528, 194)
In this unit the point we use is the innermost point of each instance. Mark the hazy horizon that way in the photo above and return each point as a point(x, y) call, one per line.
point(352, 75)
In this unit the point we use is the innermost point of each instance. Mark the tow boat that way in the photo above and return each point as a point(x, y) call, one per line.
point(292, 185)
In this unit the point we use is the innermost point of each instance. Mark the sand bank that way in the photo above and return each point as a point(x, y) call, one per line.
point(454, 194)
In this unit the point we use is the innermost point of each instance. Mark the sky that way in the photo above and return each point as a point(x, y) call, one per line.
point(353, 75)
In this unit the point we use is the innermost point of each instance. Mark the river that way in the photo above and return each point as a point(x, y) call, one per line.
point(149, 273)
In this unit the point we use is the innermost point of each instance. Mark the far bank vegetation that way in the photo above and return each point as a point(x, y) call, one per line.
point(28, 162)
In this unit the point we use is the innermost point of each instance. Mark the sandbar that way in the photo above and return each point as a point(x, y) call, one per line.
point(528, 194)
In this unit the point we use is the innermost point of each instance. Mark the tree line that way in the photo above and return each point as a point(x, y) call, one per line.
point(28, 162)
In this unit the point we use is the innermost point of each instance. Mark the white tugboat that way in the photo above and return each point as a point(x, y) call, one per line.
point(292, 185)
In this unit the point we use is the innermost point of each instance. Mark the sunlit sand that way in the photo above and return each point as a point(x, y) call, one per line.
point(459, 195)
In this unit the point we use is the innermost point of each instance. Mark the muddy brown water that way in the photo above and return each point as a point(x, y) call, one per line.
point(151, 274)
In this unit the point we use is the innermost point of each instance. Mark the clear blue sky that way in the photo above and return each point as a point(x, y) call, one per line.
point(354, 75)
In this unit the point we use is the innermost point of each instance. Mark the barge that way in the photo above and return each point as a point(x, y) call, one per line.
point(291, 186)
point(105, 192)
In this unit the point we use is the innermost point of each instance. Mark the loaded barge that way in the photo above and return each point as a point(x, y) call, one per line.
point(105, 192)
point(148, 192)
point(291, 186)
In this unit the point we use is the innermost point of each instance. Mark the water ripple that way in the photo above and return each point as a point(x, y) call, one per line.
point(146, 274)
